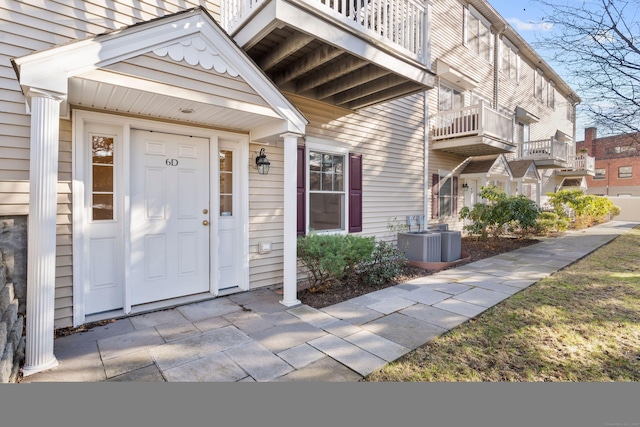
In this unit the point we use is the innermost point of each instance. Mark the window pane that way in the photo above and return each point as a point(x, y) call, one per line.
point(315, 162)
point(102, 150)
point(226, 183)
point(327, 182)
point(226, 205)
point(226, 161)
point(102, 206)
point(314, 181)
point(624, 172)
point(326, 211)
point(600, 174)
point(103, 178)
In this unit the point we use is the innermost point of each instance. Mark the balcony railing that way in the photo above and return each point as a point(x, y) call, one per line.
point(582, 162)
point(544, 149)
point(476, 120)
point(401, 23)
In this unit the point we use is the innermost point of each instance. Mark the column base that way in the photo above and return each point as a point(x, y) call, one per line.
point(30, 370)
point(290, 303)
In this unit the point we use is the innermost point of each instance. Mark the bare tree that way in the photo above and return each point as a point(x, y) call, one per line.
point(597, 42)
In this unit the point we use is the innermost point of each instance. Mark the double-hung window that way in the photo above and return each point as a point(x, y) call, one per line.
point(625, 172)
point(600, 174)
point(540, 85)
point(326, 191)
point(551, 95)
point(477, 34)
point(329, 189)
point(450, 98)
point(510, 63)
point(444, 195)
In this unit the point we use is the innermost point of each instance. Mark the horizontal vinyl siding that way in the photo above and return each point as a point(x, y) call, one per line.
point(37, 25)
point(390, 138)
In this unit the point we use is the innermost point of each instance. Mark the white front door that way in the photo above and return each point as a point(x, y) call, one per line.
point(169, 216)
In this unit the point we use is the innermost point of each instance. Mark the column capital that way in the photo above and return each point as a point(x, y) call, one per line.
point(32, 92)
point(291, 135)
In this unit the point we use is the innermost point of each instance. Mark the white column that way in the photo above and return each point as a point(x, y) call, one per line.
point(41, 253)
point(290, 280)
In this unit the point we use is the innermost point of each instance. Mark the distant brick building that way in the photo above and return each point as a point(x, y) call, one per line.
point(617, 163)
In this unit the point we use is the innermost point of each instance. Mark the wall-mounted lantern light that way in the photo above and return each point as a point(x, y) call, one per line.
point(262, 163)
point(465, 186)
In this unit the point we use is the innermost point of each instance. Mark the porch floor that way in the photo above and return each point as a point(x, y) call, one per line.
point(252, 337)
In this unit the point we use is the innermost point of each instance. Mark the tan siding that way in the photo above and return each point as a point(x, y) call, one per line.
point(390, 137)
point(210, 82)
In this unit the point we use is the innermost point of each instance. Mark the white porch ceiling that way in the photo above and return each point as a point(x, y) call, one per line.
point(109, 97)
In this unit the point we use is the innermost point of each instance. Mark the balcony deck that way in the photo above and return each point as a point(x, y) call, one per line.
point(547, 153)
point(350, 54)
point(580, 165)
point(472, 131)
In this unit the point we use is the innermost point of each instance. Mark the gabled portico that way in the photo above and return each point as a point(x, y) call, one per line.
point(143, 76)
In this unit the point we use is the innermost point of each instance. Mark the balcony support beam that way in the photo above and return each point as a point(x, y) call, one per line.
point(307, 63)
point(348, 83)
point(341, 68)
point(288, 47)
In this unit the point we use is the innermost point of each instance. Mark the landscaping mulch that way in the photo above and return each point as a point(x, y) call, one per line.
point(354, 287)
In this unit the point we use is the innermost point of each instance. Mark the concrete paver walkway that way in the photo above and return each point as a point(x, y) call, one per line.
point(252, 337)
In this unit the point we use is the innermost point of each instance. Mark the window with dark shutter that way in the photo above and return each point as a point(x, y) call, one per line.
point(355, 193)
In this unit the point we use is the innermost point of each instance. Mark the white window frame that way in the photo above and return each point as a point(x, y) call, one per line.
point(443, 176)
point(453, 90)
point(551, 95)
point(539, 86)
point(471, 12)
point(335, 148)
point(506, 48)
point(602, 176)
point(526, 134)
point(625, 177)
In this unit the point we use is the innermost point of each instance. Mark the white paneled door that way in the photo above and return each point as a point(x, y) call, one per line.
point(170, 214)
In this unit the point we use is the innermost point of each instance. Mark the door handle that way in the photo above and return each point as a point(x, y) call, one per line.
point(205, 222)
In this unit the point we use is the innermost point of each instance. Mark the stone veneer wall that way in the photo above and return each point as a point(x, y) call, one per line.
point(12, 341)
point(13, 294)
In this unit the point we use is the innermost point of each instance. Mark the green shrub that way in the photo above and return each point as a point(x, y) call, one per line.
point(583, 209)
point(500, 214)
point(330, 257)
point(387, 262)
point(550, 222)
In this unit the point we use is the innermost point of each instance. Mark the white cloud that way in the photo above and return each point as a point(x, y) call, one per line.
point(529, 26)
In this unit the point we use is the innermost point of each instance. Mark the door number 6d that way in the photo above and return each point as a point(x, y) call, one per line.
point(171, 162)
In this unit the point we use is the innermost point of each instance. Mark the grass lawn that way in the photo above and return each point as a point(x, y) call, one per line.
point(579, 324)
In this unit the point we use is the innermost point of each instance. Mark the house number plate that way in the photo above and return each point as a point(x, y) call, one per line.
point(171, 162)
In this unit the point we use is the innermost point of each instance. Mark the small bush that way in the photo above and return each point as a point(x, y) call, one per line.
point(550, 222)
point(500, 214)
point(583, 209)
point(330, 257)
point(387, 262)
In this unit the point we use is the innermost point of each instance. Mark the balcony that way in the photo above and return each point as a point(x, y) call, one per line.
point(349, 54)
point(472, 131)
point(547, 153)
point(580, 165)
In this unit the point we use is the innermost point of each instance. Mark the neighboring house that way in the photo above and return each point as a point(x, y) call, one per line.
point(493, 96)
point(617, 163)
point(132, 137)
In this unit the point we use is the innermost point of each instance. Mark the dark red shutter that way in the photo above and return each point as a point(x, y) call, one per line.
point(301, 199)
point(355, 192)
point(435, 193)
point(454, 202)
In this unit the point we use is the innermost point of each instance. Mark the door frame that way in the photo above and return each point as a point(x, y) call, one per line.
point(80, 118)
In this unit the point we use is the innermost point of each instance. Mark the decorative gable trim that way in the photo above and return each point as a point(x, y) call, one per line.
point(196, 51)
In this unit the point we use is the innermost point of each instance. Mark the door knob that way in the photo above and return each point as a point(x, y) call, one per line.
point(205, 222)
point(205, 211)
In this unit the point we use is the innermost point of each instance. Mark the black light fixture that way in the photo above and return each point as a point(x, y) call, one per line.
point(262, 163)
point(465, 186)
